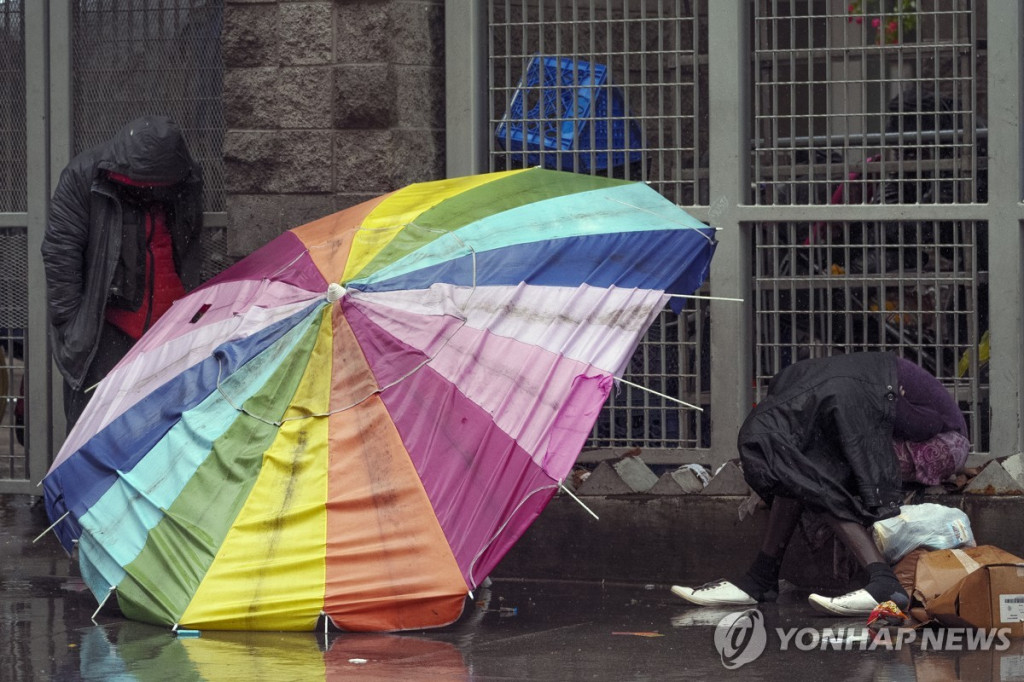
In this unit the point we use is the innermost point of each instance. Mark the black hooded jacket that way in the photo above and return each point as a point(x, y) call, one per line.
point(90, 247)
point(823, 435)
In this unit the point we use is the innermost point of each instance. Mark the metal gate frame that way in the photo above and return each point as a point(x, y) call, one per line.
point(48, 44)
point(40, 432)
point(730, 208)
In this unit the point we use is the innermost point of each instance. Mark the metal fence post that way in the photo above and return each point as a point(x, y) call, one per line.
point(1005, 255)
point(466, 137)
point(41, 430)
point(730, 270)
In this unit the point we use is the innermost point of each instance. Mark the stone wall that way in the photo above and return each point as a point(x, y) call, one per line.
point(327, 103)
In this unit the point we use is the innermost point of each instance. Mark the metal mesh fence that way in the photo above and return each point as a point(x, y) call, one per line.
point(671, 360)
point(912, 287)
point(597, 86)
point(13, 240)
point(13, 350)
point(13, 459)
point(839, 103)
point(13, 184)
point(854, 106)
point(136, 57)
point(616, 88)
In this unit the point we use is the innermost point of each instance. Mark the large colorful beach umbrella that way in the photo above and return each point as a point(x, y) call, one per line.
point(360, 419)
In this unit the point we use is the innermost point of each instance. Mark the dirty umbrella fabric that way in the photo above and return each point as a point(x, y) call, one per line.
point(359, 419)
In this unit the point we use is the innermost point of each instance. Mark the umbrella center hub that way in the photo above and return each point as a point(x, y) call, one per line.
point(335, 291)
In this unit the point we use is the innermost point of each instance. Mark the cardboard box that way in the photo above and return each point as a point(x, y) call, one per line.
point(938, 571)
point(906, 569)
point(992, 596)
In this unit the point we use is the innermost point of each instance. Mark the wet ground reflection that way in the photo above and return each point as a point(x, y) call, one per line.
point(135, 651)
point(559, 630)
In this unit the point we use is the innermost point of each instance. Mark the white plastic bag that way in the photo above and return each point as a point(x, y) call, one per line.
point(932, 526)
point(700, 472)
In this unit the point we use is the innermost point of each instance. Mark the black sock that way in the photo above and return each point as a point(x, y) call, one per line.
point(883, 585)
point(762, 578)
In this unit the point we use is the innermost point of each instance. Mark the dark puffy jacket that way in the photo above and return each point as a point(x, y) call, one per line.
point(82, 245)
point(823, 435)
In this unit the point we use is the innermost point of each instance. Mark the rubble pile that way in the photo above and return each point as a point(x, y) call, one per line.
point(630, 475)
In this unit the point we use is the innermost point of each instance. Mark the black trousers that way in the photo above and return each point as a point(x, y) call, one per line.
point(114, 344)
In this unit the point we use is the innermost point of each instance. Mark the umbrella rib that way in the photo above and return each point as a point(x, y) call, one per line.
point(279, 422)
point(102, 603)
point(501, 529)
point(705, 298)
point(661, 395)
point(700, 230)
point(578, 501)
point(452, 234)
point(51, 527)
point(287, 265)
point(457, 238)
point(374, 392)
point(238, 408)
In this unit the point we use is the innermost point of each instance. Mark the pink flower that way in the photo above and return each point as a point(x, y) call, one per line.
point(876, 22)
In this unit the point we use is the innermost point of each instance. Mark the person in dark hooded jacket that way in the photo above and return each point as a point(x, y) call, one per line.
point(121, 244)
point(839, 436)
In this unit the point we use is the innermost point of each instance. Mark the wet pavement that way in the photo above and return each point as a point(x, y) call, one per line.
point(513, 630)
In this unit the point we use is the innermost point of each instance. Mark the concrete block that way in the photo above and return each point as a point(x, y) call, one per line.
point(419, 156)
point(728, 480)
point(250, 98)
point(637, 475)
point(249, 36)
point(300, 97)
point(419, 96)
point(364, 161)
point(994, 480)
point(665, 539)
point(666, 485)
point(285, 162)
point(417, 33)
point(604, 480)
point(344, 200)
point(254, 220)
point(1014, 465)
point(270, 97)
point(364, 96)
point(682, 481)
point(688, 480)
point(306, 32)
point(363, 32)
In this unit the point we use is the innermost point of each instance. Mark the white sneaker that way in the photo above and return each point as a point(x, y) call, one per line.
point(717, 593)
point(856, 603)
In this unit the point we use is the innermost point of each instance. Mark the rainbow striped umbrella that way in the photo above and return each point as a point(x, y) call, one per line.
point(359, 419)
